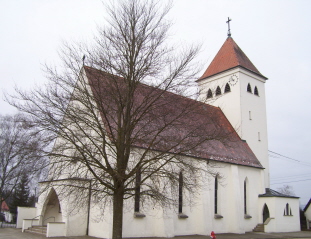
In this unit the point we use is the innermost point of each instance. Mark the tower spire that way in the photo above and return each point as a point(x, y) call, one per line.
point(229, 32)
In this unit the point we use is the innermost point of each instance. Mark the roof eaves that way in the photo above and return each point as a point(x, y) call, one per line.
point(308, 204)
point(207, 159)
point(262, 76)
point(272, 193)
point(67, 179)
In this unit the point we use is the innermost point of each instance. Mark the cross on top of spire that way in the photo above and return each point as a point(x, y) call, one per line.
point(229, 33)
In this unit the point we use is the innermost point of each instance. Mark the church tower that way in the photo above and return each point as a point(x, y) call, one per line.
point(234, 84)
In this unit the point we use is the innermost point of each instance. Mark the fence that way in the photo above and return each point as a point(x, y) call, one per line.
point(7, 224)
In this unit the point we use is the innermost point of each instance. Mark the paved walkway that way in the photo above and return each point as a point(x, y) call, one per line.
point(13, 233)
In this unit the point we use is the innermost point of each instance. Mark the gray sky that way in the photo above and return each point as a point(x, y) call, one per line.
point(275, 35)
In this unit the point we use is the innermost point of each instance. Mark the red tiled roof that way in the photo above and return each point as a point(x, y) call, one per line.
point(198, 129)
point(229, 56)
point(4, 206)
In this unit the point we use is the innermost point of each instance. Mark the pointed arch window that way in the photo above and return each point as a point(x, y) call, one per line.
point(256, 91)
point(218, 91)
point(249, 88)
point(227, 88)
point(137, 191)
point(287, 210)
point(180, 191)
point(245, 197)
point(181, 215)
point(216, 196)
point(216, 200)
point(209, 94)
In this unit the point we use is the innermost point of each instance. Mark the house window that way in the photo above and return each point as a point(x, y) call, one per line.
point(259, 136)
point(180, 191)
point(227, 88)
point(250, 115)
point(256, 91)
point(218, 91)
point(249, 88)
point(216, 196)
point(137, 191)
point(287, 210)
point(209, 94)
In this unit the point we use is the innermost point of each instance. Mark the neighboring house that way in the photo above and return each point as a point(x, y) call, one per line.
point(307, 212)
point(6, 212)
point(238, 203)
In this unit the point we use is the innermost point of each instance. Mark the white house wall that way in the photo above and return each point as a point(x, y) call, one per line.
point(308, 214)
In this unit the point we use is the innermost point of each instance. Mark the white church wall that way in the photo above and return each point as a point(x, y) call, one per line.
point(228, 102)
point(231, 200)
point(62, 208)
point(76, 222)
point(254, 186)
point(201, 220)
point(245, 111)
point(48, 205)
point(100, 224)
point(254, 120)
point(56, 229)
point(165, 223)
point(280, 222)
point(288, 223)
point(156, 223)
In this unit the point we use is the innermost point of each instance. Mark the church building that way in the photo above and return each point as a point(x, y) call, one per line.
point(240, 201)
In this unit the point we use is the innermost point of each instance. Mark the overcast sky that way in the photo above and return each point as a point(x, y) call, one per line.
point(275, 35)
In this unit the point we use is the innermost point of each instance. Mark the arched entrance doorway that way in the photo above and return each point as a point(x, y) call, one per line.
point(265, 213)
point(52, 211)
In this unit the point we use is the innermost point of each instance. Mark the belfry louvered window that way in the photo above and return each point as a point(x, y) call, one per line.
point(227, 88)
point(209, 94)
point(218, 91)
point(256, 91)
point(249, 88)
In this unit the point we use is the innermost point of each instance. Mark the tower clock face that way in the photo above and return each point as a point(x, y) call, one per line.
point(233, 79)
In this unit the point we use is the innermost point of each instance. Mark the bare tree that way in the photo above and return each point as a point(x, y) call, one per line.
point(287, 190)
point(123, 122)
point(20, 152)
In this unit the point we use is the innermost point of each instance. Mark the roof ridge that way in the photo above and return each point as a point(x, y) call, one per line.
point(149, 86)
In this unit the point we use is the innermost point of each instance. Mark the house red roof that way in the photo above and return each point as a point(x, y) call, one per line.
point(198, 129)
point(229, 56)
point(307, 206)
point(4, 206)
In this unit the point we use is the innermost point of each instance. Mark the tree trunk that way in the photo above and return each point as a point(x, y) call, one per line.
point(117, 214)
